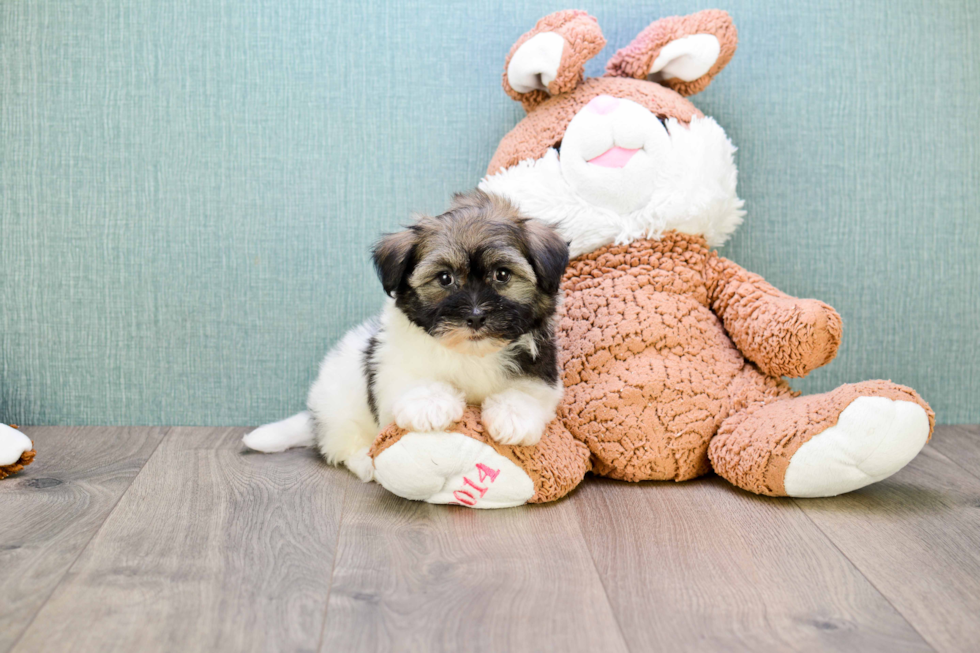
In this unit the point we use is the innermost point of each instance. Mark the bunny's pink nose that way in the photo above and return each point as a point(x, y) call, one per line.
point(603, 104)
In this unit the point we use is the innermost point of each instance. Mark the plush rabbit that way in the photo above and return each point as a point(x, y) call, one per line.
point(672, 356)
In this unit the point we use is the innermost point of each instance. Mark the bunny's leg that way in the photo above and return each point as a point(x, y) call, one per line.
point(463, 466)
point(822, 445)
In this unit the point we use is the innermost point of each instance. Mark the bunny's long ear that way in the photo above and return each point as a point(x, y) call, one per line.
point(550, 58)
point(680, 52)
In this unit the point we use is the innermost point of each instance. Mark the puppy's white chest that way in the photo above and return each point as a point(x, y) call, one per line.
point(406, 356)
point(477, 377)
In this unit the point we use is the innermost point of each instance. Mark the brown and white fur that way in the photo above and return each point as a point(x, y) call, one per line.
point(469, 321)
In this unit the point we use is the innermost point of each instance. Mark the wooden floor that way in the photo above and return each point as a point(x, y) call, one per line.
point(155, 539)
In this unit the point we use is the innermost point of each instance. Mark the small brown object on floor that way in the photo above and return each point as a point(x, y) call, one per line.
point(26, 459)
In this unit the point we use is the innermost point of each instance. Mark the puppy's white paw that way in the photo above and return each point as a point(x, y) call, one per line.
point(361, 464)
point(430, 407)
point(514, 417)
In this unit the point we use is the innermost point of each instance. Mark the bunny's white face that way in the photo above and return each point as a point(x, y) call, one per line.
point(614, 152)
point(624, 174)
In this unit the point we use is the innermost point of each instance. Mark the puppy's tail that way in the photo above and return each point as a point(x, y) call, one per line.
point(295, 431)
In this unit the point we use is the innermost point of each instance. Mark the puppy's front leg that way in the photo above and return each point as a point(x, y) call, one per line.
point(519, 415)
point(428, 406)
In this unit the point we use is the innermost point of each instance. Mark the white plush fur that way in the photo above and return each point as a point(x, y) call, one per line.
point(691, 186)
point(686, 58)
point(420, 384)
point(536, 62)
point(873, 438)
point(627, 125)
point(13, 444)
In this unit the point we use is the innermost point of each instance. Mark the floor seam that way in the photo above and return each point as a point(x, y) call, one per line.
point(88, 543)
point(602, 583)
point(888, 600)
point(333, 564)
point(953, 461)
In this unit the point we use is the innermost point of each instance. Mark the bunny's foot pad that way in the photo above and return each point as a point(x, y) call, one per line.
point(463, 466)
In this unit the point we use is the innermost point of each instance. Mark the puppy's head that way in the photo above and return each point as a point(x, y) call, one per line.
point(477, 277)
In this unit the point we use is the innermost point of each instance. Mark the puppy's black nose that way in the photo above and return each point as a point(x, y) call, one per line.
point(476, 319)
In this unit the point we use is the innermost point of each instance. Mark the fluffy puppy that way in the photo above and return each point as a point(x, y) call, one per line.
point(469, 321)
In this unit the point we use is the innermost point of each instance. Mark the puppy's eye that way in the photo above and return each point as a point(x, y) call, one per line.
point(445, 279)
point(502, 275)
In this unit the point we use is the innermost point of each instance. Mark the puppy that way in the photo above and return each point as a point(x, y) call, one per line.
point(472, 295)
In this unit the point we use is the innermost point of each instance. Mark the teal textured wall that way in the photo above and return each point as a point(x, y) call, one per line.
point(188, 190)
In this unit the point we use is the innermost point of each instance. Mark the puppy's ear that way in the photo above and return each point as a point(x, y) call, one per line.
point(392, 256)
point(548, 253)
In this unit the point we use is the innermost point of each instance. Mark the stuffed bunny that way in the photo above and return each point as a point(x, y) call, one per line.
point(672, 356)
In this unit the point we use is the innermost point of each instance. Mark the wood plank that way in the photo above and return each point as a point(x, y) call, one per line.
point(412, 576)
point(961, 444)
point(916, 536)
point(704, 566)
point(52, 508)
point(211, 549)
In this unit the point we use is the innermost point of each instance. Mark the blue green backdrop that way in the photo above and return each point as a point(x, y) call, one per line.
point(188, 190)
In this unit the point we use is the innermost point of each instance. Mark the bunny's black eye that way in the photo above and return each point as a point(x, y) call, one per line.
point(445, 279)
point(502, 275)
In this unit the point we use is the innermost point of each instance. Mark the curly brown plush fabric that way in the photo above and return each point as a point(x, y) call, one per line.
point(648, 368)
point(25, 459)
point(783, 335)
point(636, 58)
point(651, 338)
point(556, 464)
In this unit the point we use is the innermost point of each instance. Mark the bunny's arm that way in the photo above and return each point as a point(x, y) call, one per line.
point(783, 335)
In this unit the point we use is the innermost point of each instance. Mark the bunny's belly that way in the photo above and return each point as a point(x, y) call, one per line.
point(648, 376)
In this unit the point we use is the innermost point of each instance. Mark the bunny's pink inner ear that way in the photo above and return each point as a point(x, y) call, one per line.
point(681, 52)
point(550, 59)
